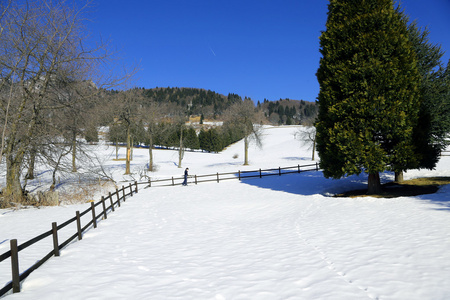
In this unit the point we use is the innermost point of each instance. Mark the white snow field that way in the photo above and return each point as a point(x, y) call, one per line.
point(279, 237)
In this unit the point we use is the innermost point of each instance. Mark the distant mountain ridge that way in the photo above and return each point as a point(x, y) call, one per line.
point(211, 104)
point(198, 101)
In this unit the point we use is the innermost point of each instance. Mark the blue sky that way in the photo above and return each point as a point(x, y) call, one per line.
point(263, 49)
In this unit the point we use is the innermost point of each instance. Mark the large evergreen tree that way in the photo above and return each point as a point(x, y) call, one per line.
point(369, 83)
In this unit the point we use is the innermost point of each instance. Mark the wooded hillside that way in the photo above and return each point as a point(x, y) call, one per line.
point(212, 105)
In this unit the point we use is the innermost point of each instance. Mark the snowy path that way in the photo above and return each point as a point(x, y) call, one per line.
point(245, 242)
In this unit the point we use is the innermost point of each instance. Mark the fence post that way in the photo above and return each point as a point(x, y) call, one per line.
point(239, 174)
point(299, 168)
point(217, 177)
point(131, 189)
point(123, 192)
point(104, 208)
point(136, 191)
point(55, 238)
point(317, 166)
point(195, 179)
point(173, 182)
point(94, 219)
point(79, 225)
point(149, 182)
point(15, 266)
point(118, 197)
point(279, 171)
point(260, 175)
point(111, 200)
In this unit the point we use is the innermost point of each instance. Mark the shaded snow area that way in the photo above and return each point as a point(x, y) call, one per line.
point(279, 237)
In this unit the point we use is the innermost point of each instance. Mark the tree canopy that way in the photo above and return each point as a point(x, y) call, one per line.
point(434, 118)
point(369, 91)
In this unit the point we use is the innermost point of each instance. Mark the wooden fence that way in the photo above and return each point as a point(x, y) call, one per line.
point(113, 200)
point(445, 153)
point(232, 175)
point(108, 205)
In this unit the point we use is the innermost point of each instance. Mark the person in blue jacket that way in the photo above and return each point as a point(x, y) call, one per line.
point(185, 176)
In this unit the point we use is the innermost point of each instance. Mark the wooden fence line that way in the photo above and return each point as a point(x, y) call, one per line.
point(231, 175)
point(13, 253)
point(445, 153)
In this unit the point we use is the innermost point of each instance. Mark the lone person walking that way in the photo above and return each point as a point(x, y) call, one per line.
point(185, 176)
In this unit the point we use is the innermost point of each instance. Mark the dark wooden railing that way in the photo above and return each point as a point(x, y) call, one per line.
point(232, 175)
point(13, 253)
point(445, 153)
point(108, 205)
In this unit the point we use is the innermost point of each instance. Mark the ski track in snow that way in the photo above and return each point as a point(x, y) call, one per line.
point(325, 259)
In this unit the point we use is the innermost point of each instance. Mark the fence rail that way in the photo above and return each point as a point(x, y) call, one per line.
point(231, 175)
point(445, 153)
point(14, 284)
point(114, 201)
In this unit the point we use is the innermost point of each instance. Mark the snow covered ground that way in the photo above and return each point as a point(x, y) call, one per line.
point(271, 238)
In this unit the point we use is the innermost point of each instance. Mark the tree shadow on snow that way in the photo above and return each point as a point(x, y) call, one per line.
point(441, 198)
point(314, 183)
point(296, 158)
point(309, 183)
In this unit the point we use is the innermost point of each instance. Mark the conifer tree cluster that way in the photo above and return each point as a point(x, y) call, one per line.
point(195, 99)
point(369, 97)
point(211, 140)
point(289, 112)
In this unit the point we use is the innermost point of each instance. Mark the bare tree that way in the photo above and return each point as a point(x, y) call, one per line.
point(307, 136)
point(153, 116)
point(177, 137)
point(42, 44)
point(5, 82)
point(245, 116)
point(126, 112)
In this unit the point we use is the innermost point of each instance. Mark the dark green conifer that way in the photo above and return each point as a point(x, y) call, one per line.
point(434, 120)
point(369, 83)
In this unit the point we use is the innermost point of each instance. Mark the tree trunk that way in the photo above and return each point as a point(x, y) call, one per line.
point(180, 152)
point(128, 157)
point(13, 191)
point(246, 151)
point(132, 148)
point(398, 177)
point(374, 185)
point(117, 150)
point(53, 185)
point(314, 148)
point(30, 173)
point(150, 154)
point(58, 162)
point(74, 154)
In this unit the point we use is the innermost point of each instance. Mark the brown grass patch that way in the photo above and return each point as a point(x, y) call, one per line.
point(408, 188)
point(85, 193)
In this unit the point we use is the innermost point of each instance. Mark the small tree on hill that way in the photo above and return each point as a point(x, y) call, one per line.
point(244, 116)
point(369, 84)
point(153, 116)
point(307, 136)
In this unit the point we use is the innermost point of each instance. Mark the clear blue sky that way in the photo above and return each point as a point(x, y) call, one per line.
point(259, 49)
